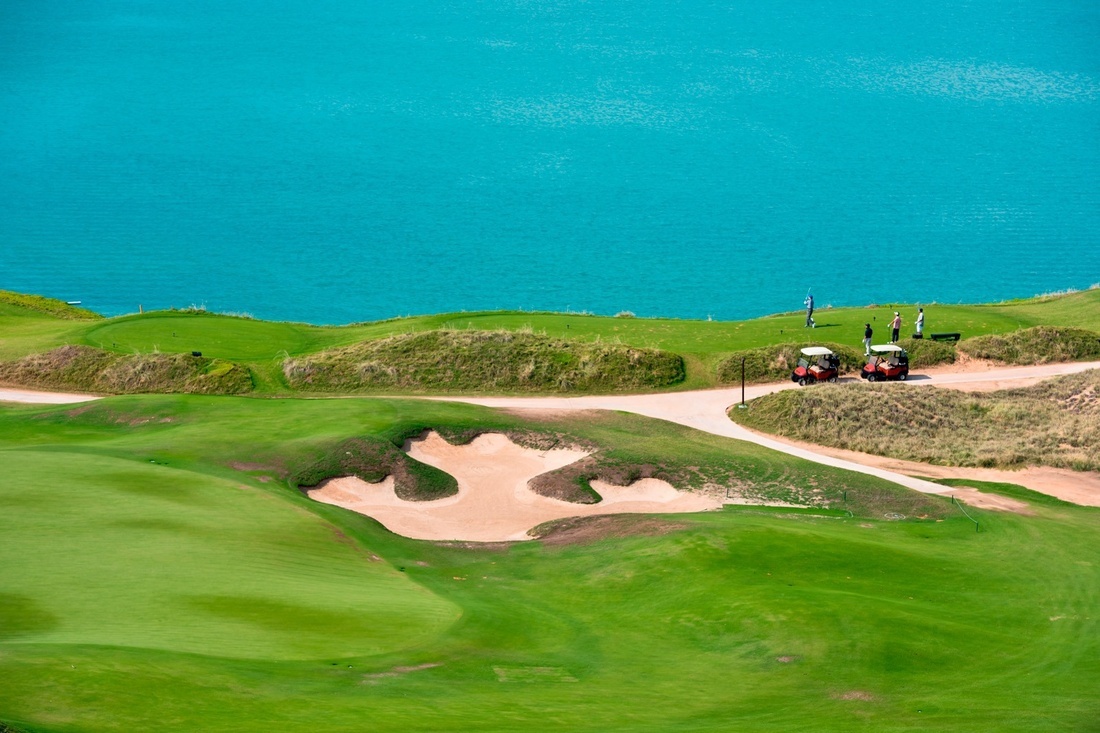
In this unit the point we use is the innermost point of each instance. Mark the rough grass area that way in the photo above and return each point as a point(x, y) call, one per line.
point(1055, 423)
point(484, 361)
point(926, 352)
point(372, 458)
point(574, 482)
point(1039, 345)
point(49, 306)
point(775, 363)
point(89, 369)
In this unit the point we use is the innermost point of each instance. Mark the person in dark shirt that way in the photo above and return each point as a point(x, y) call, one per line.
point(867, 333)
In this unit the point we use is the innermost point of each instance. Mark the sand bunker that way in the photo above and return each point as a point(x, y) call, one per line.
point(493, 503)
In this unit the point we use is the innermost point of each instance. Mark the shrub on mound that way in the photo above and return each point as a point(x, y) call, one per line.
point(775, 363)
point(90, 369)
point(1038, 345)
point(484, 361)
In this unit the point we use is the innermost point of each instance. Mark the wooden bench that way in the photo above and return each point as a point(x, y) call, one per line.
point(945, 336)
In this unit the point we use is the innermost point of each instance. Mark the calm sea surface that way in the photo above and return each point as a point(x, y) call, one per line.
point(345, 160)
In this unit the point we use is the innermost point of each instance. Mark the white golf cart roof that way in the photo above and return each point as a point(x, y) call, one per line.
point(885, 348)
point(816, 351)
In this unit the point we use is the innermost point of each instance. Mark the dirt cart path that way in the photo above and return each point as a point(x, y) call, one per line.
point(706, 410)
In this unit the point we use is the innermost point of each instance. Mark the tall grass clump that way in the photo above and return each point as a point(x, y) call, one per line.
point(484, 361)
point(926, 352)
point(775, 363)
point(86, 368)
point(1055, 423)
point(1038, 345)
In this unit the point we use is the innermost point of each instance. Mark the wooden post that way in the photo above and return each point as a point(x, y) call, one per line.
point(742, 405)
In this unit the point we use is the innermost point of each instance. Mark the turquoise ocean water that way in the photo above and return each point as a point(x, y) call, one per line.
point(344, 160)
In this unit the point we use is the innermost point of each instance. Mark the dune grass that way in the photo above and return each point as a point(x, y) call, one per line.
point(263, 346)
point(925, 353)
point(1055, 423)
point(89, 369)
point(775, 363)
point(1038, 345)
point(484, 361)
point(159, 573)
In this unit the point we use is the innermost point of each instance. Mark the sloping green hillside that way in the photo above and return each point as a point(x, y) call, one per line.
point(159, 574)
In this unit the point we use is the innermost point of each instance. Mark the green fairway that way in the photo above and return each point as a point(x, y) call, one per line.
point(263, 345)
point(131, 554)
point(158, 574)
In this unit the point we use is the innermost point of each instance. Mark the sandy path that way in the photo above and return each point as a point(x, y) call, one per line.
point(706, 410)
point(43, 398)
point(493, 503)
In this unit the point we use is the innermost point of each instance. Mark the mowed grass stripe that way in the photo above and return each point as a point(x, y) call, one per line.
point(127, 554)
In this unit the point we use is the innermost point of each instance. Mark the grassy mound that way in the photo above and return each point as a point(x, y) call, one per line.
point(95, 370)
point(925, 352)
point(484, 361)
point(1056, 423)
point(49, 306)
point(775, 363)
point(1039, 345)
point(372, 458)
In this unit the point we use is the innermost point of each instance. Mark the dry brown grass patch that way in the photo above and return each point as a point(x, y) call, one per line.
point(585, 530)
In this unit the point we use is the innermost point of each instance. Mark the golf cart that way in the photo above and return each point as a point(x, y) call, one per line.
point(888, 361)
point(820, 365)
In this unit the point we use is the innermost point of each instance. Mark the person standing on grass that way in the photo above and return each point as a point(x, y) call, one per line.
point(810, 311)
point(867, 333)
point(920, 323)
point(896, 326)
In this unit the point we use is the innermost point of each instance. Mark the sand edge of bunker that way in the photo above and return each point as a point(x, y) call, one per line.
point(494, 502)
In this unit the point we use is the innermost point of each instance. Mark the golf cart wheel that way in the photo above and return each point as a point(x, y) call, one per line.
point(872, 377)
point(903, 376)
point(833, 379)
point(801, 381)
